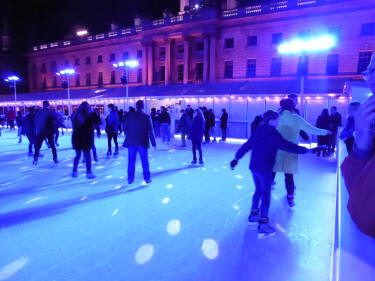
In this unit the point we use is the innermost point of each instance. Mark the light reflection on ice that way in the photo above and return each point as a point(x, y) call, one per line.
point(174, 227)
point(210, 248)
point(144, 254)
point(165, 200)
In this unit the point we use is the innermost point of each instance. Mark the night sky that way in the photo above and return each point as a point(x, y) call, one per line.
point(33, 22)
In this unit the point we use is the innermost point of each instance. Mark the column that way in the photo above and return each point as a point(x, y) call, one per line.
point(150, 64)
point(213, 59)
point(205, 60)
point(186, 60)
point(144, 64)
point(168, 62)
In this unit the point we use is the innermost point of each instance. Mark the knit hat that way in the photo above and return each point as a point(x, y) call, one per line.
point(270, 115)
point(287, 104)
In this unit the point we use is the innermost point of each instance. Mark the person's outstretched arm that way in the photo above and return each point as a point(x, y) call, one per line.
point(288, 146)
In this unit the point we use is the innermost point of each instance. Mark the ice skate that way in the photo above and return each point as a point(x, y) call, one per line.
point(265, 230)
point(290, 199)
point(74, 174)
point(90, 176)
point(253, 217)
point(116, 153)
point(194, 162)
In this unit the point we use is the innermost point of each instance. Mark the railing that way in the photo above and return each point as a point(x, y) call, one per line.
point(273, 7)
point(354, 252)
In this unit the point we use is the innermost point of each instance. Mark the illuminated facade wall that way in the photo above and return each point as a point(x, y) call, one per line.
point(207, 46)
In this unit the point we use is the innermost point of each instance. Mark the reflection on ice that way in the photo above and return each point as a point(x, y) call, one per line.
point(174, 227)
point(144, 254)
point(210, 248)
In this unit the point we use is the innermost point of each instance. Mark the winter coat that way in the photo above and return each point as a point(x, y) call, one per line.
point(19, 120)
point(224, 120)
point(44, 122)
point(138, 130)
point(348, 131)
point(211, 119)
point(164, 117)
point(197, 130)
point(335, 122)
point(83, 130)
point(185, 123)
point(322, 123)
point(265, 142)
point(28, 125)
point(289, 127)
point(112, 122)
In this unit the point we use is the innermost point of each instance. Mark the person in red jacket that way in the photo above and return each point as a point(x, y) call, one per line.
point(358, 168)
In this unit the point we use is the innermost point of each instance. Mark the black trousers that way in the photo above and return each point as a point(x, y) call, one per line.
point(349, 142)
point(224, 133)
point(31, 138)
point(38, 145)
point(110, 136)
point(87, 155)
point(197, 146)
point(207, 133)
point(289, 183)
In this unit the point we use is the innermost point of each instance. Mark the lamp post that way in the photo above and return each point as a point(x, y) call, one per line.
point(304, 47)
point(67, 72)
point(13, 80)
point(125, 65)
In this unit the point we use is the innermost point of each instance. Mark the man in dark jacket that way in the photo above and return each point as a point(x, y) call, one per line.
point(28, 128)
point(138, 130)
point(224, 124)
point(44, 127)
point(184, 126)
point(206, 116)
point(19, 119)
point(165, 124)
point(334, 123)
point(112, 126)
point(264, 144)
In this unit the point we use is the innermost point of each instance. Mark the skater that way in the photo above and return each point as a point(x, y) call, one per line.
point(11, 116)
point(334, 124)
point(223, 125)
point(347, 134)
point(206, 116)
point(256, 123)
point(112, 125)
point(19, 125)
point(165, 124)
point(184, 126)
point(264, 143)
point(197, 131)
point(83, 121)
point(97, 125)
point(323, 123)
point(211, 124)
point(289, 127)
point(358, 168)
point(295, 110)
point(28, 129)
point(139, 132)
point(44, 127)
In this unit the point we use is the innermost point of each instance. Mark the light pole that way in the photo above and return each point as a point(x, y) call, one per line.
point(13, 80)
point(125, 65)
point(304, 47)
point(67, 72)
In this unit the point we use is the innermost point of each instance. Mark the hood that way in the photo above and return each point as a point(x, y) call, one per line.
point(263, 130)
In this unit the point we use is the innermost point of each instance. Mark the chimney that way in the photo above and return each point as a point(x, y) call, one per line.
point(232, 4)
point(183, 4)
point(114, 26)
point(137, 21)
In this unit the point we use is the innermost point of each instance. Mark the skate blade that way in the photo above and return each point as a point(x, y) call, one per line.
point(265, 235)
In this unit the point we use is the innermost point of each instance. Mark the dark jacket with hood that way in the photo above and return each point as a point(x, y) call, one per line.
point(264, 143)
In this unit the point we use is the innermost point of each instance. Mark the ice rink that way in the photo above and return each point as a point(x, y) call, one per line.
point(190, 223)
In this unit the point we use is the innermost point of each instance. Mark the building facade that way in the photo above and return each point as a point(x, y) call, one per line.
point(203, 46)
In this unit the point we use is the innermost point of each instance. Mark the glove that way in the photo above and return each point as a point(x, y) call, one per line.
point(233, 163)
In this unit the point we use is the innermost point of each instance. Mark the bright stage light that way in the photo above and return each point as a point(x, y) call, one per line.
point(68, 71)
point(82, 32)
point(12, 78)
point(322, 43)
point(132, 63)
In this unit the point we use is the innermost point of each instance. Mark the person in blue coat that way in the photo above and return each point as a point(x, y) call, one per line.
point(197, 132)
point(264, 143)
point(112, 125)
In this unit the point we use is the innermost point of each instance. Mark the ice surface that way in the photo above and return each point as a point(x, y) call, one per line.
point(190, 223)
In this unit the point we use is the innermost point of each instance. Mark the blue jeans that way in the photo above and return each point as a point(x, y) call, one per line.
point(263, 182)
point(132, 156)
point(165, 131)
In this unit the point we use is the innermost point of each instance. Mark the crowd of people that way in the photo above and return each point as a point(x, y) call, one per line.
point(274, 144)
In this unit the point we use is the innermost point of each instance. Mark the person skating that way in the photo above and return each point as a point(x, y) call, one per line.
point(223, 125)
point(44, 127)
point(184, 126)
point(347, 133)
point(206, 116)
point(289, 127)
point(139, 132)
point(211, 124)
point(19, 125)
point(264, 143)
point(197, 131)
point(112, 125)
point(83, 121)
point(323, 123)
point(334, 124)
point(295, 110)
point(28, 128)
point(165, 124)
